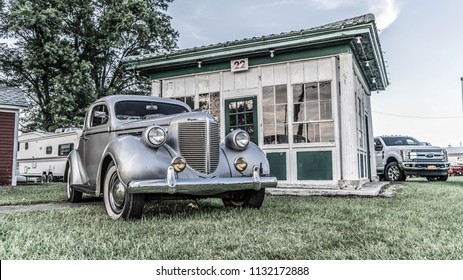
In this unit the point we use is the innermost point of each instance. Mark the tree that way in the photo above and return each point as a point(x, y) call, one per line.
point(68, 53)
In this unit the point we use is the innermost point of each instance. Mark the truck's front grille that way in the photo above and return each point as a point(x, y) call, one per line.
point(430, 155)
point(199, 145)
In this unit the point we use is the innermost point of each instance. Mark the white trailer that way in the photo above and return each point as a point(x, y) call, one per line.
point(42, 155)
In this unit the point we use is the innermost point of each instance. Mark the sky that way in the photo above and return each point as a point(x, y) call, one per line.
point(422, 41)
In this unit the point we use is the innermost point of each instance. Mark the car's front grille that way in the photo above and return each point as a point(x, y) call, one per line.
point(199, 145)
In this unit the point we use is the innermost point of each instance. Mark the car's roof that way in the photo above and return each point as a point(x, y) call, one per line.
point(113, 99)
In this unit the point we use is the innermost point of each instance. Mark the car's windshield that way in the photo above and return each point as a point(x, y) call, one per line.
point(136, 110)
point(401, 141)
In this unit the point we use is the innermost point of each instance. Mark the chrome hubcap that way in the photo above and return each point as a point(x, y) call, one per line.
point(118, 193)
point(393, 173)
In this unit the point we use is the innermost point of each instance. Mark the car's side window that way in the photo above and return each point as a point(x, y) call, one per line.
point(100, 115)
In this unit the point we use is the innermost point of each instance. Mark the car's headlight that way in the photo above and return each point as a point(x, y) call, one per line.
point(237, 140)
point(154, 136)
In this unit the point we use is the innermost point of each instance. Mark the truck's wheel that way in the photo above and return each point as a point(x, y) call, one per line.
point(73, 195)
point(249, 199)
point(393, 172)
point(50, 178)
point(118, 202)
point(437, 178)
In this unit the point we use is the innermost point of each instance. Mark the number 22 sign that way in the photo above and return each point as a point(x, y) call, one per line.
point(239, 64)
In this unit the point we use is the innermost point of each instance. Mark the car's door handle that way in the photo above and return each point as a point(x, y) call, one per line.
point(85, 138)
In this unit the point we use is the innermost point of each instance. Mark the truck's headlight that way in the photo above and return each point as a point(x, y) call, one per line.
point(154, 136)
point(237, 140)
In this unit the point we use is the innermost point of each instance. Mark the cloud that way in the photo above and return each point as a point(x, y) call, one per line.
point(385, 11)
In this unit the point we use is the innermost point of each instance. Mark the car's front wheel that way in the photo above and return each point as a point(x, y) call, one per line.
point(249, 199)
point(393, 172)
point(118, 202)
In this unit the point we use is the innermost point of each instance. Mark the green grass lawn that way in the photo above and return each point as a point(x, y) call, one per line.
point(422, 221)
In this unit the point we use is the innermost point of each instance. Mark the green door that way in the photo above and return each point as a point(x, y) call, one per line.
point(242, 113)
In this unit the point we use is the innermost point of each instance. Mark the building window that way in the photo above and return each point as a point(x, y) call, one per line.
point(313, 114)
point(210, 103)
point(360, 124)
point(189, 100)
point(48, 150)
point(65, 149)
point(275, 112)
point(26, 146)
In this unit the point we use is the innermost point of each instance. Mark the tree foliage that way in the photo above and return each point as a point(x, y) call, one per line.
point(68, 53)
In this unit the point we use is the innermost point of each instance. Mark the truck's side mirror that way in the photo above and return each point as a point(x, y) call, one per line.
point(378, 147)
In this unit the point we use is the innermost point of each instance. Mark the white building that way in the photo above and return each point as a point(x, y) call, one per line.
point(303, 96)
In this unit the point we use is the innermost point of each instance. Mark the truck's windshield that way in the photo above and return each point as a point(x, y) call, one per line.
point(135, 110)
point(401, 141)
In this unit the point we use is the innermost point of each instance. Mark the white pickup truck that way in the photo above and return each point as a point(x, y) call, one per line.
point(399, 156)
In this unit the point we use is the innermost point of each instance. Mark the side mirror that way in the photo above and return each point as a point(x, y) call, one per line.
point(378, 148)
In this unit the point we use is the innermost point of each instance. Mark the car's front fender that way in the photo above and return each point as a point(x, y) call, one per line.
point(254, 157)
point(134, 160)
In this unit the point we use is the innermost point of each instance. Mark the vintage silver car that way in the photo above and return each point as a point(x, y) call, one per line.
point(139, 148)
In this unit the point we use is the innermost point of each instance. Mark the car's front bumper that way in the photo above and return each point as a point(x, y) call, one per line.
point(201, 186)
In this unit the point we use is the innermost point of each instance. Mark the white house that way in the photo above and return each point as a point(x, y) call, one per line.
point(303, 96)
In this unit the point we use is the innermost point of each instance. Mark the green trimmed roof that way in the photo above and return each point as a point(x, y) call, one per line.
point(359, 34)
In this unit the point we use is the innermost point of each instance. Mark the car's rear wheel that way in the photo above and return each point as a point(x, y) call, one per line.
point(73, 195)
point(118, 202)
point(393, 172)
point(248, 198)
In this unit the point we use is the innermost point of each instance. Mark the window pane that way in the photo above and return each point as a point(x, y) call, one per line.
point(327, 132)
point(325, 91)
point(299, 115)
point(268, 96)
point(300, 133)
point(240, 105)
point(311, 91)
point(312, 111)
point(282, 134)
point(280, 94)
point(249, 118)
point(298, 93)
point(249, 105)
point(215, 101)
point(269, 117)
point(313, 131)
point(190, 101)
point(232, 107)
point(325, 110)
point(269, 134)
point(281, 114)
